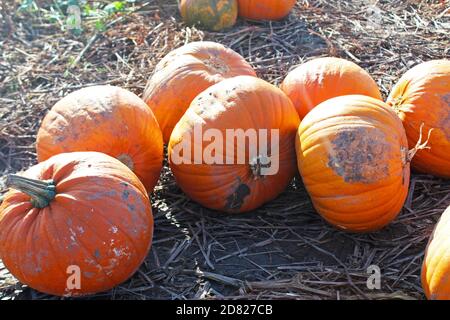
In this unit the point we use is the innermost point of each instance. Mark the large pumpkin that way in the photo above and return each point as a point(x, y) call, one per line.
point(105, 119)
point(422, 96)
point(247, 157)
point(352, 154)
point(75, 224)
point(265, 9)
point(324, 78)
point(184, 73)
point(436, 264)
point(213, 15)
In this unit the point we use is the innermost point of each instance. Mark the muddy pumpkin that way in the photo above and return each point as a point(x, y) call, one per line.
point(214, 15)
point(352, 155)
point(76, 224)
point(436, 264)
point(106, 119)
point(265, 9)
point(186, 72)
point(233, 150)
point(321, 79)
point(421, 98)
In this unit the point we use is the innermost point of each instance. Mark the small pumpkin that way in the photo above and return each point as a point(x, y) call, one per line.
point(228, 176)
point(214, 15)
point(184, 73)
point(321, 79)
point(75, 224)
point(265, 9)
point(436, 264)
point(352, 154)
point(106, 119)
point(422, 96)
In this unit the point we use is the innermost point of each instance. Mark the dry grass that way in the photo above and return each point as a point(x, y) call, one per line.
point(284, 249)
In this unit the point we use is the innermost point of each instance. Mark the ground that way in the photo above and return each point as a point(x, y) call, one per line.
point(284, 249)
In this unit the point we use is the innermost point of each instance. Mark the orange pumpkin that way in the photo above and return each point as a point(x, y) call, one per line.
point(105, 119)
point(422, 96)
point(265, 9)
point(436, 264)
point(76, 224)
point(247, 154)
point(324, 78)
point(352, 154)
point(184, 73)
point(213, 15)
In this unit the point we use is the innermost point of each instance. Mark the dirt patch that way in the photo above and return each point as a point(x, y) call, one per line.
point(359, 155)
point(236, 200)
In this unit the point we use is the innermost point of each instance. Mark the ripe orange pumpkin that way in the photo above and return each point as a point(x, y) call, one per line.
point(235, 181)
point(422, 96)
point(324, 78)
point(184, 73)
point(352, 154)
point(77, 214)
point(265, 9)
point(213, 15)
point(105, 119)
point(436, 264)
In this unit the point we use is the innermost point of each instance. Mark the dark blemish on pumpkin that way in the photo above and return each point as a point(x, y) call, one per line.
point(131, 207)
point(445, 122)
point(125, 194)
point(97, 254)
point(124, 184)
point(100, 195)
point(359, 155)
point(236, 200)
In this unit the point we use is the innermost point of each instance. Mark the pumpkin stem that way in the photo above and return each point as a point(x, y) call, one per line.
point(41, 192)
point(257, 164)
point(419, 144)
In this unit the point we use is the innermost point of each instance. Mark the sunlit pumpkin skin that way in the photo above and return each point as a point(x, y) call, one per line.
point(265, 9)
point(186, 72)
point(93, 213)
point(422, 95)
point(352, 154)
point(436, 265)
point(240, 103)
point(214, 15)
point(106, 119)
point(321, 79)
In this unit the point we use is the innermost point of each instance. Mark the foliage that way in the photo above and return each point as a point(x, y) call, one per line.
point(76, 16)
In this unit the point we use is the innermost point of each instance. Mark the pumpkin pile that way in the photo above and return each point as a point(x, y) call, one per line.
point(216, 15)
point(100, 151)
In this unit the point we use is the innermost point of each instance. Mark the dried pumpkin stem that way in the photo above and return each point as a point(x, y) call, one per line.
point(419, 144)
point(41, 192)
point(257, 164)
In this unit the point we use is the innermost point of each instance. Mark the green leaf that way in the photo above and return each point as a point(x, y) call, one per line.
point(114, 7)
point(100, 26)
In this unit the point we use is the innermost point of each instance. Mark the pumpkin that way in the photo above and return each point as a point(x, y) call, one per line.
point(184, 73)
point(422, 97)
point(75, 224)
point(106, 119)
point(436, 264)
point(247, 157)
point(321, 79)
point(353, 157)
point(213, 15)
point(265, 9)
